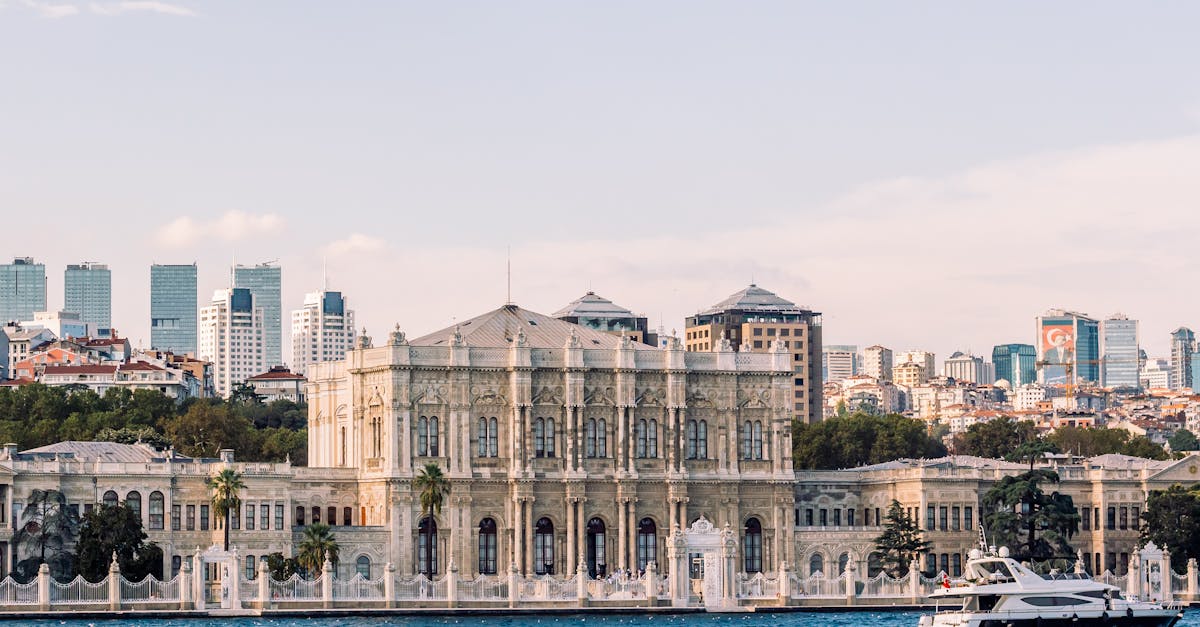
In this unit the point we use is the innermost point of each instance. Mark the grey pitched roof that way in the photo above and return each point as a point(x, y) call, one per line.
point(1118, 461)
point(591, 305)
point(97, 451)
point(499, 328)
point(961, 461)
point(755, 298)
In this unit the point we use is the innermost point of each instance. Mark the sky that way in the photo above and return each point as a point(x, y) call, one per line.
point(928, 175)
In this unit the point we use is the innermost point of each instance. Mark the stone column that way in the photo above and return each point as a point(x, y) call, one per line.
point(514, 586)
point(185, 586)
point(571, 535)
point(518, 554)
point(452, 584)
point(1133, 585)
point(528, 505)
point(264, 586)
point(198, 579)
point(651, 581)
point(114, 583)
point(622, 519)
point(389, 584)
point(914, 581)
point(569, 438)
point(233, 575)
point(683, 512)
point(785, 583)
point(1191, 579)
point(850, 591)
point(581, 579)
point(326, 584)
point(631, 529)
point(622, 442)
point(43, 588)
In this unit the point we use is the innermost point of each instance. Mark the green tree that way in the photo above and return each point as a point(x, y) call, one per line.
point(227, 487)
point(133, 435)
point(1141, 446)
point(1017, 510)
point(116, 529)
point(995, 438)
point(1031, 451)
point(282, 567)
point(207, 428)
point(1172, 519)
point(244, 394)
point(48, 526)
point(316, 544)
point(860, 439)
point(432, 487)
point(1183, 440)
point(900, 543)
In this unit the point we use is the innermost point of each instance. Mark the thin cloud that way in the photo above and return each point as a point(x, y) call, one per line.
point(144, 6)
point(51, 10)
point(231, 227)
point(356, 243)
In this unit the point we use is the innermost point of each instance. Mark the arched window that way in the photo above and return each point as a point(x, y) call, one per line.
point(427, 547)
point(156, 510)
point(746, 437)
point(602, 438)
point(331, 512)
point(539, 437)
point(251, 563)
point(597, 565)
point(299, 516)
point(640, 439)
point(647, 543)
point(756, 447)
point(690, 436)
point(487, 547)
point(550, 437)
point(702, 440)
point(816, 564)
point(133, 501)
point(589, 438)
point(752, 546)
point(110, 499)
point(362, 566)
point(543, 547)
point(843, 560)
point(482, 437)
point(422, 437)
point(433, 436)
point(347, 515)
point(652, 439)
point(316, 518)
point(377, 436)
point(875, 565)
point(493, 438)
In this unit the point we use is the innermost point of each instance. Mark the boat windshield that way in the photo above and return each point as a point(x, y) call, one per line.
point(992, 570)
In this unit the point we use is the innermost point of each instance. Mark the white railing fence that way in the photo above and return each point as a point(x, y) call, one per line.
point(483, 588)
point(358, 588)
point(79, 590)
point(884, 585)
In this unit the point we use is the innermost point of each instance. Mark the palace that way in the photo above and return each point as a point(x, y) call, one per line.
point(566, 447)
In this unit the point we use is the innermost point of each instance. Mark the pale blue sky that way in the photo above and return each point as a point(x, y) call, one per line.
point(928, 174)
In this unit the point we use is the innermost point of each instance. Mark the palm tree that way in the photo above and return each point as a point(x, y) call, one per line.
point(317, 545)
point(48, 525)
point(433, 487)
point(227, 488)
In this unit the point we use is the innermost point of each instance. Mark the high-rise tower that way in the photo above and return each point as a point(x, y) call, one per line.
point(173, 308)
point(264, 281)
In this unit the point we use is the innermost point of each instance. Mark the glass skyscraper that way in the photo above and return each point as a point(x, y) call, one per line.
point(87, 291)
point(1068, 340)
point(1183, 344)
point(22, 289)
point(1119, 342)
point(1015, 363)
point(173, 308)
point(264, 281)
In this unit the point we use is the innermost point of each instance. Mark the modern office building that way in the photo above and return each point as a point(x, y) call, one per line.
point(173, 308)
point(1119, 345)
point(877, 362)
point(966, 367)
point(1015, 363)
point(265, 282)
point(231, 336)
point(87, 291)
point(1183, 344)
point(22, 289)
point(63, 324)
point(838, 362)
point(322, 330)
point(753, 318)
point(599, 313)
point(1068, 343)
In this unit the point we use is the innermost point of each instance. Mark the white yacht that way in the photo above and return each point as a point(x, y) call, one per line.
point(996, 591)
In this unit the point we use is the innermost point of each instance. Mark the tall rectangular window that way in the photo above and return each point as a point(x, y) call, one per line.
point(175, 516)
point(968, 523)
point(1085, 519)
point(1112, 518)
point(1124, 518)
point(837, 517)
point(955, 519)
point(191, 517)
point(850, 517)
point(264, 515)
point(824, 517)
point(204, 518)
point(931, 518)
point(943, 516)
point(279, 516)
point(250, 516)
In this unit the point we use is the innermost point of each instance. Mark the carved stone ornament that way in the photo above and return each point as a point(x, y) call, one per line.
point(702, 525)
point(396, 337)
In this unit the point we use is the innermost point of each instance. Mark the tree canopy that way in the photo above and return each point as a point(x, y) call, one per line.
point(994, 439)
point(36, 415)
point(859, 439)
point(1090, 442)
point(109, 529)
point(1172, 520)
point(900, 543)
point(1183, 440)
point(48, 525)
point(1032, 524)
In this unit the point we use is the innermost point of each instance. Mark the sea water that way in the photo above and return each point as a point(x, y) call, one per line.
point(783, 619)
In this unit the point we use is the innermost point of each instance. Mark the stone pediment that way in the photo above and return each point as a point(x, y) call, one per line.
point(548, 396)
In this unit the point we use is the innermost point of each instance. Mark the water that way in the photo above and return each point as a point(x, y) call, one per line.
point(795, 619)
